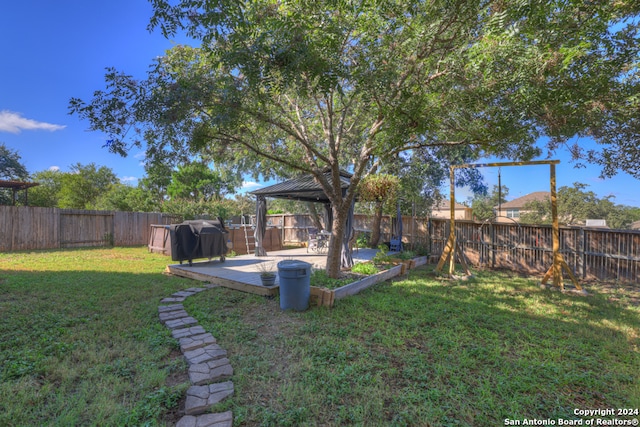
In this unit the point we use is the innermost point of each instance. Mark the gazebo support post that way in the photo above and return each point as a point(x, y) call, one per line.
point(261, 225)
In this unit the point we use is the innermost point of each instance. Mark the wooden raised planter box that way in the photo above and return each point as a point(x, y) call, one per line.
point(326, 297)
point(422, 260)
point(410, 264)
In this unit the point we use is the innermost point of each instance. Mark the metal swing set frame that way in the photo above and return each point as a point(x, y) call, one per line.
point(452, 249)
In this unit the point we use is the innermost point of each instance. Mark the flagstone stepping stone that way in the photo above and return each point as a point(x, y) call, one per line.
point(210, 372)
point(195, 290)
point(173, 299)
point(202, 397)
point(181, 323)
point(183, 294)
point(168, 308)
point(205, 354)
point(196, 341)
point(224, 419)
point(173, 315)
point(187, 332)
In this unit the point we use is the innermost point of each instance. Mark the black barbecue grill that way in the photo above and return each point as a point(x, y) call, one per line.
point(198, 239)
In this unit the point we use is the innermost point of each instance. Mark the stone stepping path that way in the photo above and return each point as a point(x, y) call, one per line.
point(208, 420)
point(208, 363)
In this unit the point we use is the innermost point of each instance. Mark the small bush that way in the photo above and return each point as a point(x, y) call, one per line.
point(407, 255)
point(364, 268)
point(381, 256)
point(363, 240)
point(320, 279)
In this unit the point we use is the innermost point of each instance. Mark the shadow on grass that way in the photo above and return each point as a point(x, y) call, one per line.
point(86, 347)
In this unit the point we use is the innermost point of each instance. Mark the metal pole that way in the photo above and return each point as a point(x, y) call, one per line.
point(452, 231)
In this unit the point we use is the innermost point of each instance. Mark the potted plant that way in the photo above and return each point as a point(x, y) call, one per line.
point(267, 274)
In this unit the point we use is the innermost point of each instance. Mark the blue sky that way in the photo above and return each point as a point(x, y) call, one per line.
point(53, 51)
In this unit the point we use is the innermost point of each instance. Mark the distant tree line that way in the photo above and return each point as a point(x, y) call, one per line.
point(190, 190)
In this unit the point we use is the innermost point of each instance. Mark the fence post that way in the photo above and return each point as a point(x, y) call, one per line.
point(581, 253)
point(494, 245)
point(430, 235)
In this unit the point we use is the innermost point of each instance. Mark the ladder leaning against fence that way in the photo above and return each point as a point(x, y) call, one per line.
point(249, 238)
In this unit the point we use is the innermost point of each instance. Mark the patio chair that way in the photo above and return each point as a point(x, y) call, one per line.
point(395, 245)
point(312, 240)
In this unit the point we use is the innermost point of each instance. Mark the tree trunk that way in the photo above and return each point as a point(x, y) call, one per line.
point(335, 244)
point(375, 227)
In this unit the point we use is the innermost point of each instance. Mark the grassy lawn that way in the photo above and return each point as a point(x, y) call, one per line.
point(80, 340)
point(425, 352)
point(81, 344)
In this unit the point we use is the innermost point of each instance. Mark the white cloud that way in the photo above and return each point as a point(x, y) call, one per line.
point(247, 185)
point(126, 179)
point(54, 168)
point(14, 123)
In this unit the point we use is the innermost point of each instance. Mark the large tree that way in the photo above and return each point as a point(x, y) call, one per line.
point(47, 193)
point(84, 184)
point(304, 86)
point(197, 181)
point(484, 205)
point(380, 190)
point(11, 168)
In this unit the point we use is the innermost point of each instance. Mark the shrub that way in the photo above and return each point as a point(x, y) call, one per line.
point(364, 268)
point(381, 256)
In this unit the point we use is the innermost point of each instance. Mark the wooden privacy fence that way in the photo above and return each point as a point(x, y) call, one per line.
point(294, 227)
point(593, 254)
point(29, 228)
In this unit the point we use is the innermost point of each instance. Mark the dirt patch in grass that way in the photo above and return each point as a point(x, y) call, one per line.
point(617, 292)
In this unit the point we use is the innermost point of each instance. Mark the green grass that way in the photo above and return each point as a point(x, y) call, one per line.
point(426, 352)
point(81, 344)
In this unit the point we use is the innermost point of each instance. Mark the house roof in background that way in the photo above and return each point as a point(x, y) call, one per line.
point(445, 205)
point(542, 196)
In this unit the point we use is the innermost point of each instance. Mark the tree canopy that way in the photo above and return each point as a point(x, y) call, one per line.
point(11, 168)
point(484, 205)
point(286, 86)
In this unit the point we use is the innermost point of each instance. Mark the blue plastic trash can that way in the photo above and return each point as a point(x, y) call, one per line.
point(295, 284)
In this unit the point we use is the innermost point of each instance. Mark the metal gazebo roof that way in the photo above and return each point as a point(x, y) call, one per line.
point(303, 188)
point(16, 186)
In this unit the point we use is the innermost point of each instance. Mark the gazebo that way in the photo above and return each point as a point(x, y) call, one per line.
point(16, 186)
point(306, 189)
